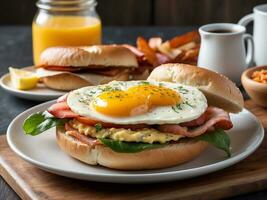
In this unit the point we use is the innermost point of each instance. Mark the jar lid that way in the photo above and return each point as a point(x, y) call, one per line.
point(65, 5)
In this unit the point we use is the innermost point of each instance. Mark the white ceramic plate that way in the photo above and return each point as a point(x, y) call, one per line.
point(40, 93)
point(43, 152)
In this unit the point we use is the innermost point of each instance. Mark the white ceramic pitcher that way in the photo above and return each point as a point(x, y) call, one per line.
point(224, 51)
point(260, 32)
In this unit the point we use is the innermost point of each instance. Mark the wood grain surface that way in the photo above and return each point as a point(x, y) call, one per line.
point(185, 12)
point(144, 12)
point(32, 183)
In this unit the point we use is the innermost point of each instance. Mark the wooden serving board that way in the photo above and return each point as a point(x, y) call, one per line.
point(32, 183)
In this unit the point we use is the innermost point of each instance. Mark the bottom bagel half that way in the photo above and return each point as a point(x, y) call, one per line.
point(94, 154)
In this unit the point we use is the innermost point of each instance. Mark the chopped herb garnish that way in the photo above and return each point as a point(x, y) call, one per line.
point(118, 83)
point(182, 90)
point(161, 84)
point(109, 89)
point(81, 101)
point(98, 127)
point(144, 83)
point(177, 108)
point(187, 103)
point(106, 89)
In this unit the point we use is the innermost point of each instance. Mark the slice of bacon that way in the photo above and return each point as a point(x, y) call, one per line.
point(155, 42)
point(62, 98)
point(162, 58)
point(197, 122)
point(173, 128)
point(102, 70)
point(185, 38)
point(63, 68)
point(92, 122)
point(149, 53)
point(82, 138)
point(107, 72)
point(217, 118)
point(140, 56)
point(61, 110)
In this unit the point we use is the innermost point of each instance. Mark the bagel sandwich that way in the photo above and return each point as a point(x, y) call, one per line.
point(167, 120)
point(69, 68)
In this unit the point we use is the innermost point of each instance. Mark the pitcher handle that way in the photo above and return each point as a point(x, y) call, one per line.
point(246, 19)
point(250, 49)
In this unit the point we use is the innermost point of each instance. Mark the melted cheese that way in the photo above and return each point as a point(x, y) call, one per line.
point(146, 135)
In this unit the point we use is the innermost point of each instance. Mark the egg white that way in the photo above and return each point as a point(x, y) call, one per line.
point(194, 103)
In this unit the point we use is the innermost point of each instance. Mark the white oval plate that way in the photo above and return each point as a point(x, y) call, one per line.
point(43, 152)
point(40, 93)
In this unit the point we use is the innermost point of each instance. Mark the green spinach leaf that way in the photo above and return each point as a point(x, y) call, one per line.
point(39, 122)
point(219, 139)
point(128, 147)
point(98, 127)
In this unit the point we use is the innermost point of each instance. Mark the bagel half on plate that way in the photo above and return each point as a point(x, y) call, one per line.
point(164, 121)
point(69, 68)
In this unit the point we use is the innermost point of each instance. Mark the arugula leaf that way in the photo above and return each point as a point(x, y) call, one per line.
point(41, 121)
point(128, 147)
point(219, 139)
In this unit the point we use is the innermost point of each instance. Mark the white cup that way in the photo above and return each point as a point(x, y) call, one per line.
point(224, 52)
point(260, 32)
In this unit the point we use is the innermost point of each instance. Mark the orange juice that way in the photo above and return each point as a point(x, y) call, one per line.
point(65, 31)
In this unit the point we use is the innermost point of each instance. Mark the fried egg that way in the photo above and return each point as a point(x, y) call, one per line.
point(137, 102)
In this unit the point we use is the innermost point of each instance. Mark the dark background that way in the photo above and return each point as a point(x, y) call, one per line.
point(144, 12)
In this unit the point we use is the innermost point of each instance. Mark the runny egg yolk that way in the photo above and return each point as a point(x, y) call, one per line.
point(135, 101)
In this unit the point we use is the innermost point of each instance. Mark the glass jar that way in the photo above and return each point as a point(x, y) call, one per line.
point(65, 23)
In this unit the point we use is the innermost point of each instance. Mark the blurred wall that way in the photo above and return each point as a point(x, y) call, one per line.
point(144, 12)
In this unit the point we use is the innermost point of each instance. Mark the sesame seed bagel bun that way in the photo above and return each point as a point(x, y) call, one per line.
point(89, 57)
point(218, 89)
point(167, 156)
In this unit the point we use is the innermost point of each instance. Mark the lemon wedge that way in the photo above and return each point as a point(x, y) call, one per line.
point(22, 79)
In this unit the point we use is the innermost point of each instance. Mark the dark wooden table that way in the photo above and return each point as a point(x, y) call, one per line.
point(15, 50)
